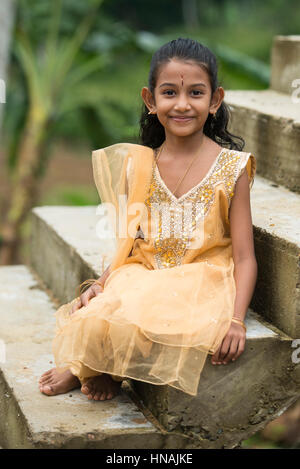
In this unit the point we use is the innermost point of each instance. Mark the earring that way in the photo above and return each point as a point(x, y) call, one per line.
point(150, 112)
point(214, 115)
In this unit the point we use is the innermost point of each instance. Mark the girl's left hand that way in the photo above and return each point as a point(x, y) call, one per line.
point(232, 345)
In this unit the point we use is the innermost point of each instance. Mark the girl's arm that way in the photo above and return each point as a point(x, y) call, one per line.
point(245, 264)
point(245, 270)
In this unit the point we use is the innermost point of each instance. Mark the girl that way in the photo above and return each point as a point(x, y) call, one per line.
point(180, 283)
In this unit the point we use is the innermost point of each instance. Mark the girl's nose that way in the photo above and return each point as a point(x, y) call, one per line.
point(182, 103)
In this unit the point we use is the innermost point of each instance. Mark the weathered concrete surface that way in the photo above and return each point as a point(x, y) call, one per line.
point(269, 122)
point(247, 406)
point(285, 63)
point(276, 221)
point(236, 399)
point(30, 419)
point(65, 250)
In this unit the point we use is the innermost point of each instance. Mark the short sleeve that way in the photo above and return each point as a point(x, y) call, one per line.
point(248, 162)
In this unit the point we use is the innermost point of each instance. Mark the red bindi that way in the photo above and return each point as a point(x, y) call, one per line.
point(181, 80)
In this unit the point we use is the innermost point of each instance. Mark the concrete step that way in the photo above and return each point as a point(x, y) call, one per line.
point(65, 251)
point(30, 419)
point(269, 122)
point(236, 400)
point(276, 224)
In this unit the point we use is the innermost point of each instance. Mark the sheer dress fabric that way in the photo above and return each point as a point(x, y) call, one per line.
point(169, 299)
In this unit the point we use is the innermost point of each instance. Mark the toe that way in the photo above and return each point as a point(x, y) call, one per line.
point(86, 388)
point(46, 380)
point(97, 396)
point(47, 373)
point(103, 396)
point(48, 389)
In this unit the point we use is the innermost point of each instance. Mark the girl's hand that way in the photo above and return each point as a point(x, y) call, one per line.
point(232, 345)
point(85, 297)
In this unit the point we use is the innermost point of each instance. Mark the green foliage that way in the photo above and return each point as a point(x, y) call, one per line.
point(93, 89)
point(69, 195)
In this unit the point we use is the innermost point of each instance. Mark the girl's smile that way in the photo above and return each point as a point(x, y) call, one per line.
point(182, 98)
point(181, 118)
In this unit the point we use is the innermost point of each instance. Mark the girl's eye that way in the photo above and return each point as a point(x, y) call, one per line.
point(171, 91)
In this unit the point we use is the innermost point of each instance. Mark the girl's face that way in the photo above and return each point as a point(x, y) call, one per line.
point(182, 97)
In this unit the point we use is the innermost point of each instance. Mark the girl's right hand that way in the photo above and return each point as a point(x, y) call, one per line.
point(85, 297)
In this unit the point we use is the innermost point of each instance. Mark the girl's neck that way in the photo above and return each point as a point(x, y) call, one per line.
point(183, 146)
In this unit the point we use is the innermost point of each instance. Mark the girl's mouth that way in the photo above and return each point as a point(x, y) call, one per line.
point(181, 119)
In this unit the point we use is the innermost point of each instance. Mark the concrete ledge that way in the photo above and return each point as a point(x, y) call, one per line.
point(33, 420)
point(65, 250)
point(268, 354)
point(269, 122)
point(234, 401)
point(29, 419)
point(276, 221)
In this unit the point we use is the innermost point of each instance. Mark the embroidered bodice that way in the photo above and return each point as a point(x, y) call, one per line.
point(175, 225)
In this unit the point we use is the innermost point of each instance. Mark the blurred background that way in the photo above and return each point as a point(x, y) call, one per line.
point(74, 71)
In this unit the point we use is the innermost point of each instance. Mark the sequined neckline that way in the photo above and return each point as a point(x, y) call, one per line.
point(183, 196)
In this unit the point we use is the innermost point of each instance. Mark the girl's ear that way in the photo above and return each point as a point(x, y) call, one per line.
point(216, 100)
point(148, 99)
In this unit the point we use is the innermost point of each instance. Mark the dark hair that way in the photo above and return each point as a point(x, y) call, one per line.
point(152, 132)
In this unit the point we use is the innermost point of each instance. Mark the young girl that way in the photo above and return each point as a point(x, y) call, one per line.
point(179, 287)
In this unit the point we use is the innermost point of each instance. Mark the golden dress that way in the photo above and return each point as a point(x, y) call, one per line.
point(169, 299)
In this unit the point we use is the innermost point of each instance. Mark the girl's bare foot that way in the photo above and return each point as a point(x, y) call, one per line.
point(101, 387)
point(51, 382)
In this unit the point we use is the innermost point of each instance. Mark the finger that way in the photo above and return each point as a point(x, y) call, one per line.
point(232, 351)
point(241, 348)
point(76, 305)
point(225, 348)
point(85, 297)
point(214, 357)
point(217, 353)
point(90, 293)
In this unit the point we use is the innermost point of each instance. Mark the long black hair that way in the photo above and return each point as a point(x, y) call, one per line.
point(152, 132)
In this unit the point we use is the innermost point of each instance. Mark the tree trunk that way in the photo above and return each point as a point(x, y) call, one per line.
point(190, 13)
point(25, 187)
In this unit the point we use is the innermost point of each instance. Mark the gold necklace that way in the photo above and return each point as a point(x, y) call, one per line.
point(178, 184)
